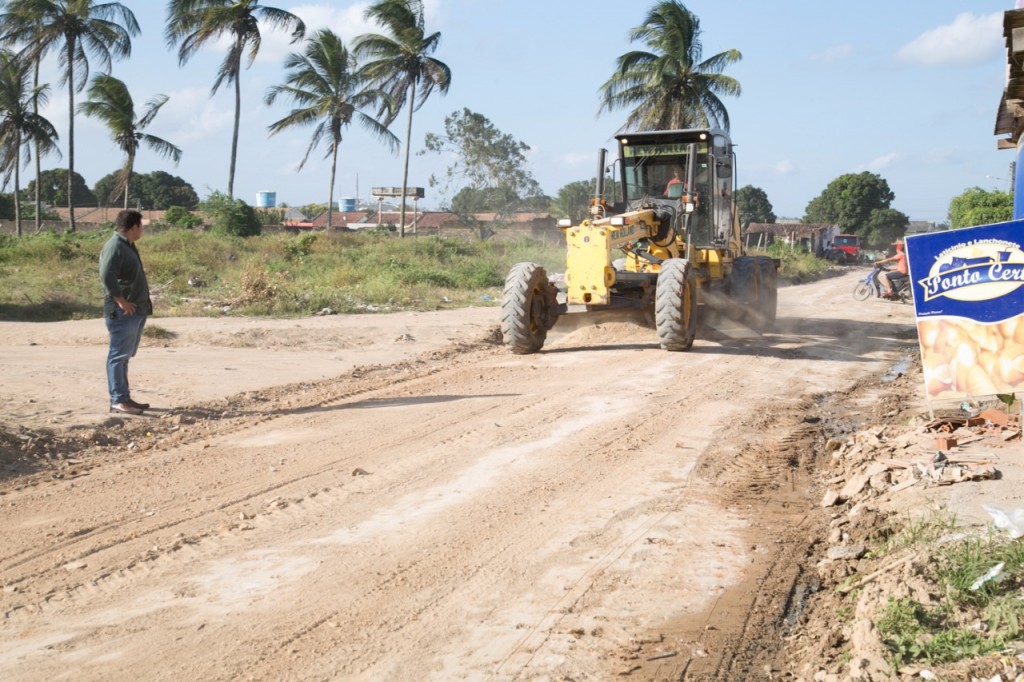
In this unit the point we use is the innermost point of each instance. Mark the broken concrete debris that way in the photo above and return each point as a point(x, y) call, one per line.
point(944, 451)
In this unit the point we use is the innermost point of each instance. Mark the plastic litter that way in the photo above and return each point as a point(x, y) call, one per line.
point(1012, 521)
point(992, 574)
point(971, 409)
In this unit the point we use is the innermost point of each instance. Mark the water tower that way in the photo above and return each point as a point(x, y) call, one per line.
point(346, 205)
point(266, 199)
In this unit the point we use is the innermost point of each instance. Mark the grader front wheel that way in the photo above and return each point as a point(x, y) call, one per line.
point(526, 308)
point(675, 306)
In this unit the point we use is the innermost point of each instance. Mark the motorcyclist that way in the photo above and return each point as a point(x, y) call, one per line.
point(892, 278)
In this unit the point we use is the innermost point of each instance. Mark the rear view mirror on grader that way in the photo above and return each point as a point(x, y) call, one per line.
point(669, 245)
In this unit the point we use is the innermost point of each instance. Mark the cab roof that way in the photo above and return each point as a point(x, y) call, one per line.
point(669, 136)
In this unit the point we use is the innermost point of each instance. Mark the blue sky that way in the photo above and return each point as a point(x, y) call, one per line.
point(907, 89)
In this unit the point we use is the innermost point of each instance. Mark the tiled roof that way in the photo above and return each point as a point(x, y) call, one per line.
point(1010, 116)
point(788, 228)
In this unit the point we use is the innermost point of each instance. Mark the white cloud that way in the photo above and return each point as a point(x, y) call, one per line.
point(196, 114)
point(276, 43)
point(576, 159)
point(967, 41)
point(883, 162)
point(834, 54)
point(784, 167)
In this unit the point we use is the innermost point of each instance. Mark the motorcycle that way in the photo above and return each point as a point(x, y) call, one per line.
point(872, 285)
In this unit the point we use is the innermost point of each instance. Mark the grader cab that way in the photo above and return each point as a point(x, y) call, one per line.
point(668, 242)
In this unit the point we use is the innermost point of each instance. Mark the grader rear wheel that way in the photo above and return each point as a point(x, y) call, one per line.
point(768, 302)
point(525, 308)
point(743, 285)
point(675, 305)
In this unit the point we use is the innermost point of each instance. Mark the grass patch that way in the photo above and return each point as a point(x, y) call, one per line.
point(50, 277)
point(969, 615)
point(153, 331)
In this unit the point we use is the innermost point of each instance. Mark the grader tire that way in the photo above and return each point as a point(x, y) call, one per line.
point(768, 304)
point(675, 305)
point(744, 290)
point(525, 318)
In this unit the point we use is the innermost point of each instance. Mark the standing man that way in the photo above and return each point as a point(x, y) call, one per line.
point(126, 305)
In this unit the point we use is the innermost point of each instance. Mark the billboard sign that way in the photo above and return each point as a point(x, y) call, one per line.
point(969, 302)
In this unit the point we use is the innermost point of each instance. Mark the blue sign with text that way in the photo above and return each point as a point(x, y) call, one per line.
point(969, 300)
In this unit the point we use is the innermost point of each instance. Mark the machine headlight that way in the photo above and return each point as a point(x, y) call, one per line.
point(564, 222)
point(618, 221)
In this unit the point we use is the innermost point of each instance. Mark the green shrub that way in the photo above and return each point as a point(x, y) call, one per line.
point(231, 216)
point(180, 216)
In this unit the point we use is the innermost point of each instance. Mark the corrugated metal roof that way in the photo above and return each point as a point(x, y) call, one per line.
point(1008, 118)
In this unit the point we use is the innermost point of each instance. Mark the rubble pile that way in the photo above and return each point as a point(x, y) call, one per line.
point(876, 478)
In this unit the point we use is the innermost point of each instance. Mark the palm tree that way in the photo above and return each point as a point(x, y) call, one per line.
point(327, 92)
point(19, 123)
point(112, 104)
point(401, 63)
point(74, 28)
point(19, 30)
point(194, 23)
point(670, 87)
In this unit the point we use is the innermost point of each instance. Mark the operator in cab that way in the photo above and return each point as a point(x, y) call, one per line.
point(676, 179)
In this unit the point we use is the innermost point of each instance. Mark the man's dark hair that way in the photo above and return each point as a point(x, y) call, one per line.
point(127, 219)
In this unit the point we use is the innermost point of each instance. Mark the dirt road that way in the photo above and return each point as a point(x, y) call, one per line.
point(416, 503)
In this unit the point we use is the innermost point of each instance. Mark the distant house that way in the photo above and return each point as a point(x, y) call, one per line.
point(340, 220)
point(443, 223)
point(97, 215)
point(815, 237)
point(293, 217)
point(920, 226)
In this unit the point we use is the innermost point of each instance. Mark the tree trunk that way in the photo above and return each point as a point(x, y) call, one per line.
point(405, 166)
point(71, 136)
point(330, 193)
point(128, 166)
point(39, 167)
point(17, 183)
point(234, 135)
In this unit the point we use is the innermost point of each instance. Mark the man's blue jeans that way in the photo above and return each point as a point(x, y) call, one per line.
point(125, 334)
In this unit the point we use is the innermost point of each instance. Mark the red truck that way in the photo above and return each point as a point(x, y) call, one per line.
point(845, 248)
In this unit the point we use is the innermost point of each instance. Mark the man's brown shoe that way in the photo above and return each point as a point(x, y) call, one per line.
point(126, 408)
point(141, 406)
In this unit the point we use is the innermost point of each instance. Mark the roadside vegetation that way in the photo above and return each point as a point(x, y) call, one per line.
point(797, 264)
point(53, 276)
point(973, 583)
point(49, 276)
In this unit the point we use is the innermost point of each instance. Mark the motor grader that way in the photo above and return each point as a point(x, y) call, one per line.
point(668, 243)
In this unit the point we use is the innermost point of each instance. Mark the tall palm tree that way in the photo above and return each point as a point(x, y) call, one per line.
point(400, 64)
point(111, 103)
point(323, 85)
point(194, 23)
point(19, 123)
point(19, 29)
point(74, 28)
point(669, 87)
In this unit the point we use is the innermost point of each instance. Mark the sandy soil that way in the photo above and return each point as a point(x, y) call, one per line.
point(397, 497)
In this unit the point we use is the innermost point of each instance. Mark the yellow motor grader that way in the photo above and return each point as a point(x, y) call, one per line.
point(668, 243)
